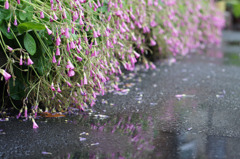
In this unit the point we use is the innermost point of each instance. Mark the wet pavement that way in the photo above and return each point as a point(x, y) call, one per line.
point(189, 110)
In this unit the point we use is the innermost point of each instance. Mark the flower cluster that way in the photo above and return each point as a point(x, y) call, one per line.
point(89, 40)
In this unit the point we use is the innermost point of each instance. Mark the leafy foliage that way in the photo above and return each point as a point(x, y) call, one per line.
point(63, 52)
point(30, 44)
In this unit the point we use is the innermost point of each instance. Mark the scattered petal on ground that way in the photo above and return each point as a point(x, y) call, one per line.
point(4, 119)
point(82, 139)
point(153, 104)
point(219, 96)
point(95, 144)
point(83, 133)
point(100, 116)
point(46, 153)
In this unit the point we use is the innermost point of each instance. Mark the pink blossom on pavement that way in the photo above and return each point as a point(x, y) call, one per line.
point(35, 126)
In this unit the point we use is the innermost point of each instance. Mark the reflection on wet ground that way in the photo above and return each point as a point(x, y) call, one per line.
point(187, 111)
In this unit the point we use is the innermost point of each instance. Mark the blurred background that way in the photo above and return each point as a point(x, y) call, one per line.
point(231, 9)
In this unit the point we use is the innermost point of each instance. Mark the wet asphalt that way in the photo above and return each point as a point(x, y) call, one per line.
point(189, 110)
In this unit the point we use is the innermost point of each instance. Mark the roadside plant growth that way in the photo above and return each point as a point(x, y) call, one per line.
point(62, 52)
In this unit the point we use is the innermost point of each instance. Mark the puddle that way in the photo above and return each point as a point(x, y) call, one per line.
point(164, 131)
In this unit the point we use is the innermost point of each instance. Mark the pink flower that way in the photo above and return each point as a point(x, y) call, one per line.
point(62, 31)
point(15, 22)
point(78, 58)
point(29, 61)
point(19, 114)
point(72, 45)
point(132, 16)
point(21, 61)
point(67, 35)
point(109, 17)
point(69, 84)
point(35, 126)
point(107, 33)
point(8, 29)
point(122, 30)
point(132, 26)
point(25, 112)
point(81, 21)
point(59, 61)
point(90, 4)
point(6, 75)
point(152, 43)
point(9, 48)
point(153, 23)
point(95, 42)
point(52, 87)
point(54, 59)
point(95, 35)
point(85, 79)
point(150, 2)
point(137, 55)
point(41, 15)
point(68, 47)
point(95, 5)
point(60, 6)
point(75, 16)
point(6, 5)
point(18, 1)
point(134, 38)
point(99, 4)
point(98, 32)
point(58, 41)
point(153, 66)
point(71, 73)
point(64, 16)
point(59, 90)
point(78, 50)
point(70, 65)
point(48, 30)
point(57, 51)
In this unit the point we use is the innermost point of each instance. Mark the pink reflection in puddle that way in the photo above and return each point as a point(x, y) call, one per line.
point(215, 52)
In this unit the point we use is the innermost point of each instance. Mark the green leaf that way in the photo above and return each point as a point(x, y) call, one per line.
point(5, 14)
point(103, 9)
point(26, 12)
point(29, 11)
point(42, 65)
point(16, 89)
point(29, 44)
point(22, 15)
point(23, 27)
